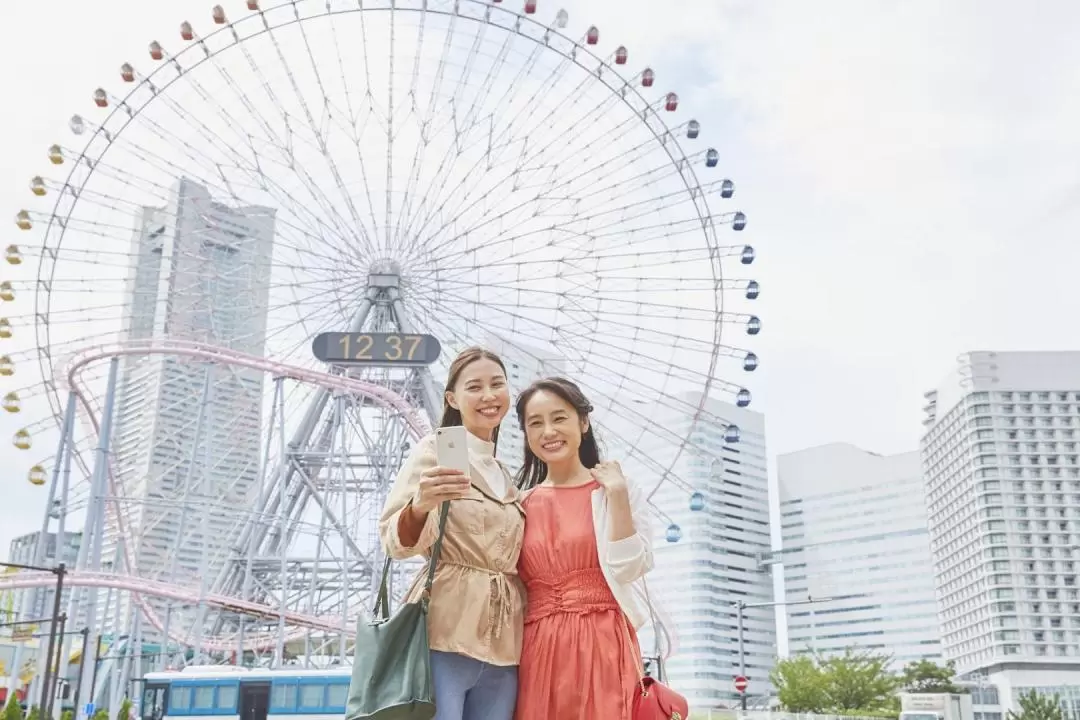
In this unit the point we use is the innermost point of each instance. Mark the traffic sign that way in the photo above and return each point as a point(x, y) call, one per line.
point(386, 349)
point(741, 684)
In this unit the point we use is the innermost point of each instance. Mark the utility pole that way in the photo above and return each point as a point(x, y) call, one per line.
point(740, 606)
point(47, 684)
point(56, 672)
point(82, 661)
point(93, 675)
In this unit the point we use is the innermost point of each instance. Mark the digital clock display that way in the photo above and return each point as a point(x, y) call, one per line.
point(338, 348)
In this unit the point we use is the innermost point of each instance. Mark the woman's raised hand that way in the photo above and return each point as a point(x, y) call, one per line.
point(437, 485)
point(610, 476)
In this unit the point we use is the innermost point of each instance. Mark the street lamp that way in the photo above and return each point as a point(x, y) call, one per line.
point(741, 606)
point(47, 685)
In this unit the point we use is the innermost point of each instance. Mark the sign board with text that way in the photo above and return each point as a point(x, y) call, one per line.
point(385, 349)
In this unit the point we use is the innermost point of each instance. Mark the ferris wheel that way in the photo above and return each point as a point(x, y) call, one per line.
point(479, 172)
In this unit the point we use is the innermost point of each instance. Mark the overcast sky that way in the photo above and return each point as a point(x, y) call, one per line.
point(910, 173)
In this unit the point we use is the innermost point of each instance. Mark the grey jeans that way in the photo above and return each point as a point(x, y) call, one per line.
point(469, 689)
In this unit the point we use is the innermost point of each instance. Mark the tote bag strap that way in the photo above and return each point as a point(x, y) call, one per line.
point(382, 600)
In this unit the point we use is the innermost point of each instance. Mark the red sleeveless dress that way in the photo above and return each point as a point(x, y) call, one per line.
point(577, 658)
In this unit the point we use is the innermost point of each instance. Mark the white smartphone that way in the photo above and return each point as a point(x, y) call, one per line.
point(452, 448)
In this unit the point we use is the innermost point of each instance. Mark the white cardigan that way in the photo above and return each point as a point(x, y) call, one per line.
point(626, 561)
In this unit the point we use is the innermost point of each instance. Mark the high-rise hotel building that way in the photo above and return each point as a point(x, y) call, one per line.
point(1001, 463)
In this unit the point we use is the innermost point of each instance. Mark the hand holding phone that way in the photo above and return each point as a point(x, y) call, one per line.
point(452, 448)
point(449, 480)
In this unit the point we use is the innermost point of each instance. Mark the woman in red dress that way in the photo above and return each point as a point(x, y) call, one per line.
point(586, 542)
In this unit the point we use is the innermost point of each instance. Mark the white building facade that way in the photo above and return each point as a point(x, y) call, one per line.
point(855, 530)
point(187, 438)
point(1001, 462)
point(38, 602)
point(717, 561)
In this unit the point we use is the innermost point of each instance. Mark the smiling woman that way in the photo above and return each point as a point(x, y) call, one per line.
point(476, 395)
point(587, 541)
point(477, 603)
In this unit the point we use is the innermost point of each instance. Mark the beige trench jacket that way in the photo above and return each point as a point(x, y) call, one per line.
point(477, 600)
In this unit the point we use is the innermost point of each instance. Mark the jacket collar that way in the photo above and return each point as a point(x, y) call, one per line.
point(483, 451)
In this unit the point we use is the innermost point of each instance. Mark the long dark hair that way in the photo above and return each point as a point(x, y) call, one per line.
point(535, 470)
point(451, 415)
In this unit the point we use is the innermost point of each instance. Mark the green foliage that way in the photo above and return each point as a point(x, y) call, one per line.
point(855, 683)
point(67, 715)
point(926, 676)
point(13, 710)
point(859, 680)
point(125, 710)
point(101, 714)
point(1035, 706)
point(34, 713)
point(800, 685)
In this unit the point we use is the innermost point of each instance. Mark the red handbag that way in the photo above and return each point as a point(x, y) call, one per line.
point(654, 700)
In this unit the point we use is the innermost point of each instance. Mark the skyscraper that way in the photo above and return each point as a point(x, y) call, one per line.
point(1001, 461)
point(855, 529)
point(719, 558)
point(187, 437)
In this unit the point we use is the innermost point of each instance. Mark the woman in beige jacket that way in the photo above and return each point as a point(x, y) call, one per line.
point(477, 601)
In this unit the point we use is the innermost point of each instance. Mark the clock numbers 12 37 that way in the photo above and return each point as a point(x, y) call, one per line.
point(363, 347)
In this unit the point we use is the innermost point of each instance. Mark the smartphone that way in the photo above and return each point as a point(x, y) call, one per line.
point(452, 448)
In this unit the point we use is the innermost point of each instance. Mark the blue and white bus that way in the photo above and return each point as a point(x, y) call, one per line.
point(223, 692)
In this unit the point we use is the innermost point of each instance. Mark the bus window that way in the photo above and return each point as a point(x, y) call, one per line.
point(153, 704)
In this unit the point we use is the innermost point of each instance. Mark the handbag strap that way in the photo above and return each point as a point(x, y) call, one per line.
point(382, 600)
point(639, 666)
point(639, 663)
point(652, 617)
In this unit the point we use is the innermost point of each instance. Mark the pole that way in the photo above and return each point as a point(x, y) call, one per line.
point(82, 663)
point(95, 511)
point(59, 654)
point(46, 685)
point(93, 674)
point(739, 606)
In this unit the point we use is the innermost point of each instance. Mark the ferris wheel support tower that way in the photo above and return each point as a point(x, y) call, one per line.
point(308, 455)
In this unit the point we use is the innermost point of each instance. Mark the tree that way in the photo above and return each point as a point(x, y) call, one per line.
point(859, 680)
point(67, 715)
point(124, 713)
point(34, 713)
point(800, 685)
point(1035, 706)
point(101, 714)
point(926, 676)
point(13, 710)
point(855, 683)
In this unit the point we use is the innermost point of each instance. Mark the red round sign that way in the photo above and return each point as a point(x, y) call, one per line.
point(741, 683)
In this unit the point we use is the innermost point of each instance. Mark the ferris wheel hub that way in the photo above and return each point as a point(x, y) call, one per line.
point(384, 273)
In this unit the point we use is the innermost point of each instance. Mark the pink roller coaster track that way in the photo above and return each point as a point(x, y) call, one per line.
point(141, 587)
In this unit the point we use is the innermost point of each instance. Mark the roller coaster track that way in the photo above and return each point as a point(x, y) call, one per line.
point(70, 372)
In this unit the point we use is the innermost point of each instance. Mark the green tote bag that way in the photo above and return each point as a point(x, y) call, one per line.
point(391, 677)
